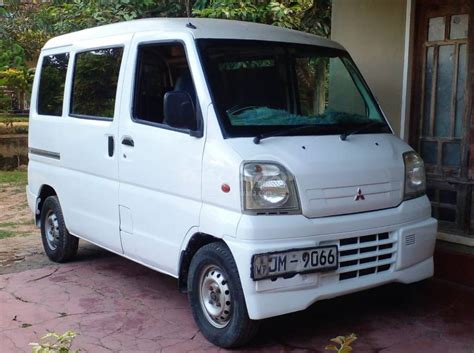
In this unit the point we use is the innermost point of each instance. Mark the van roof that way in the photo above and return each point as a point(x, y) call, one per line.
point(205, 28)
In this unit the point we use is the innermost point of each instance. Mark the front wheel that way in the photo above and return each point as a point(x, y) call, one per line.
point(216, 297)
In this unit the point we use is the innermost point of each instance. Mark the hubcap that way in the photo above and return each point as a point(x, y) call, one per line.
point(215, 296)
point(52, 230)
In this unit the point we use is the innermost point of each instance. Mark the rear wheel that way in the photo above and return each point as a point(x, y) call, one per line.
point(216, 297)
point(59, 245)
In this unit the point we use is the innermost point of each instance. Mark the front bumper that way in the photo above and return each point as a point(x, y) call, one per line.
point(411, 260)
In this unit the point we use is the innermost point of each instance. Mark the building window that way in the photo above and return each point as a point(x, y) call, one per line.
point(51, 87)
point(95, 83)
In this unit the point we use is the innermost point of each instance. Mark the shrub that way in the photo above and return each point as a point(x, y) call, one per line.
point(344, 343)
point(55, 343)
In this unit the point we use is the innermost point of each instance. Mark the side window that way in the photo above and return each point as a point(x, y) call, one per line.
point(95, 83)
point(51, 86)
point(161, 68)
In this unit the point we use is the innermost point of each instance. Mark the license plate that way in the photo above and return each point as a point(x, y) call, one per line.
point(286, 263)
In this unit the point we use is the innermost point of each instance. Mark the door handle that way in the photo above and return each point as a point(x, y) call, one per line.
point(111, 146)
point(128, 141)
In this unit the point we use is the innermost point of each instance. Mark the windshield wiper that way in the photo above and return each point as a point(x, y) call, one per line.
point(344, 135)
point(299, 128)
point(260, 137)
point(237, 109)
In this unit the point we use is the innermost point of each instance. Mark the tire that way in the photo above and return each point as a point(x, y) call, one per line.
point(222, 317)
point(59, 245)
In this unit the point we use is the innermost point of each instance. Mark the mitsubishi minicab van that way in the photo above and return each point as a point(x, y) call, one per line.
point(250, 162)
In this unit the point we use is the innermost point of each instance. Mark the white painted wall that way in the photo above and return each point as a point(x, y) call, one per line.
point(373, 31)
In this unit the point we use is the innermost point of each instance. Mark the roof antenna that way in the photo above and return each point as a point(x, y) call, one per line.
point(188, 12)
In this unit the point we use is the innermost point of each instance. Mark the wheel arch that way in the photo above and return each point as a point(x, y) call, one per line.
point(44, 192)
point(197, 241)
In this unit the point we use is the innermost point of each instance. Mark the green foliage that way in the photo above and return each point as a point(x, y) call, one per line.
point(28, 25)
point(280, 13)
point(244, 10)
point(54, 343)
point(312, 16)
point(6, 102)
point(344, 343)
point(21, 31)
point(289, 14)
point(15, 76)
point(25, 26)
point(15, 79)
point(62, 17)
point(11, 55)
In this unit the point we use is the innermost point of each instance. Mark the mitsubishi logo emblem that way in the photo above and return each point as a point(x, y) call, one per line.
point(359, 196)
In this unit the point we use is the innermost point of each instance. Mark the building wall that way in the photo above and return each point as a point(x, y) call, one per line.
point(373, 31)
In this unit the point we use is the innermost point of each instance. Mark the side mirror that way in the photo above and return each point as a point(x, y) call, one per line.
point(179, 111)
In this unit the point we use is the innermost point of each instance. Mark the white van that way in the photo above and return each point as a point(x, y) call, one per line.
point(250, 162)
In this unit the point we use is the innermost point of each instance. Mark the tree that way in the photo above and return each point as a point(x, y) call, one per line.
point(25, 26)
point(61, 17)
point(313, 16)
point(20, 27)
point(17, 81)
point(11, 55)
point(30, 24)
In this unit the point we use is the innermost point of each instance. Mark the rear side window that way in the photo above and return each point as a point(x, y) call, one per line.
point(95, 83)
point(161, 68)
point(51, 87)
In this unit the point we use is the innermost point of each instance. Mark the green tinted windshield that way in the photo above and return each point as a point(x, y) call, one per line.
point(261, 87)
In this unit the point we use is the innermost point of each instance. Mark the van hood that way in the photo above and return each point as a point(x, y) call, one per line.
point(335, 177)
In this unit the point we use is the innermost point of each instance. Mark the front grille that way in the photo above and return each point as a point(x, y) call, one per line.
point(366, 255)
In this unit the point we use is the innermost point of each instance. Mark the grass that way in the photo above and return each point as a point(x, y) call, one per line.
point(13, 177)
point(12, 233)
point(15, 224)
point(8, 225)
point(7, 234)
point(13, 118)
point(13, 124)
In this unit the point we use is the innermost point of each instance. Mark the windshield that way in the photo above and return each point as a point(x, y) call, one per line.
point(263, 87)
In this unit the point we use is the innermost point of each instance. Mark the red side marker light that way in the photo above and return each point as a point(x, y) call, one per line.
point(225, 188)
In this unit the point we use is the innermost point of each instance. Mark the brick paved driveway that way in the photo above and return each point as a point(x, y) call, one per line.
point(119, 306)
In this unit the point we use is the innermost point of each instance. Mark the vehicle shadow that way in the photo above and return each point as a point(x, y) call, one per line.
point(373, 315)
point(381, 317)
point(391, 315)
point(88, 251)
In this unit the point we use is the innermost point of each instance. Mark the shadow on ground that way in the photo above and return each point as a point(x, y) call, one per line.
point(23, 253)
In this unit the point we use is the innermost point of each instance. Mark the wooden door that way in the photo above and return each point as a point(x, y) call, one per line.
point(442, 123)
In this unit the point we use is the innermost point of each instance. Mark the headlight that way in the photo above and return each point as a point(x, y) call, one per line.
point(268, 187)
point(415, 180)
